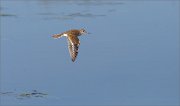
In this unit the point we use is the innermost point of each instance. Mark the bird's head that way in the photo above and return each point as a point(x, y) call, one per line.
point(83, 31)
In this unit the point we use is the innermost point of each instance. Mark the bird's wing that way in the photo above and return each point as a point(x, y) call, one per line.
point(73, 45)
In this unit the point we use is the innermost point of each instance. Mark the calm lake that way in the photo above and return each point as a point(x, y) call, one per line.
point(130, 58)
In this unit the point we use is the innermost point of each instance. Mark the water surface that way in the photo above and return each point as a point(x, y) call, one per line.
point(131, 57)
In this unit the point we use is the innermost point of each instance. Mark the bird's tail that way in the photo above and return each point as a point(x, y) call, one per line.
point(57, 36)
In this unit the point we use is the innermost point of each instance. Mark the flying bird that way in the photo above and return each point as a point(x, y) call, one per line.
point(73, 41)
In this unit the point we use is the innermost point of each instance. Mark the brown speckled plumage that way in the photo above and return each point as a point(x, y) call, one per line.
point(73, 41)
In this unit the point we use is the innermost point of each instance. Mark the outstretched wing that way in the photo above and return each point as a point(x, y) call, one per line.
point(73, 45)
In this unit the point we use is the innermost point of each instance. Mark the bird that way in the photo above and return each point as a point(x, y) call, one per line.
point(72, 39)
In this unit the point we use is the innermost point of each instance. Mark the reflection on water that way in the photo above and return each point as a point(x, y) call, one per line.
point(62, 15)
point(83, 2)
point(7, 15)
point(25, 95)
point(6, 93)
point(33, 93)
point(70, 16)
point(100, 2)
point(83, 15)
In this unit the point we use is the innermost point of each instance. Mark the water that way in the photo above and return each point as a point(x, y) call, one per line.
point(131, 56)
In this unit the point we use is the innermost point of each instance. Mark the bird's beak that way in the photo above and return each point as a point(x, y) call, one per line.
point(89, 33)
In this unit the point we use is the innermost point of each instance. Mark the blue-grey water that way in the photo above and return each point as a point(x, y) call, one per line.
point(131, 56)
